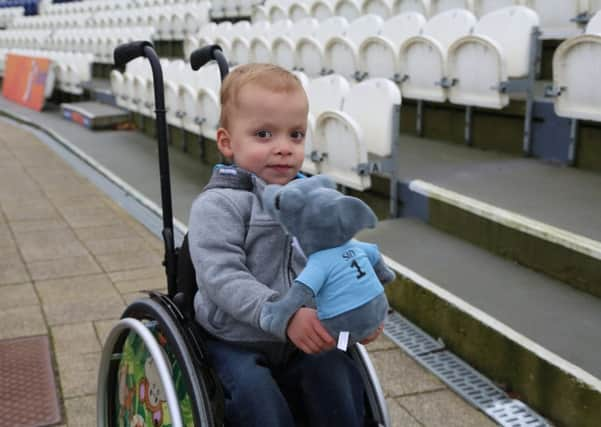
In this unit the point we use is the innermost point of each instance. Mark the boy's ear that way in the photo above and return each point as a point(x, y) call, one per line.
point(224, 143)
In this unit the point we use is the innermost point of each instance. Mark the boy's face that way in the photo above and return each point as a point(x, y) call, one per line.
point(266, 135)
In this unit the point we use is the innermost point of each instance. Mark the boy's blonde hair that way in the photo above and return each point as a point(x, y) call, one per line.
point(267, 76)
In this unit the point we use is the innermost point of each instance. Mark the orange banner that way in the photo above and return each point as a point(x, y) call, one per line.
point(25, 80)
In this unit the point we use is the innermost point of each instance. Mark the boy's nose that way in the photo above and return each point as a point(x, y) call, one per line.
point(284, 146)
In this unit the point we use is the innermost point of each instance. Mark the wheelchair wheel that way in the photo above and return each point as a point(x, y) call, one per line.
point(154, 373)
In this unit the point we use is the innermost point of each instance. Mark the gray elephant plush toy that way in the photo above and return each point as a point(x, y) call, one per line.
point(343, 276)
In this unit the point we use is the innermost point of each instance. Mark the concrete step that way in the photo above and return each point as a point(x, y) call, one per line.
point(535, 336)
point(541, 215)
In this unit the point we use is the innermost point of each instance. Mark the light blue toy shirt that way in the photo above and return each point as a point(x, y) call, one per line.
point(342, 278)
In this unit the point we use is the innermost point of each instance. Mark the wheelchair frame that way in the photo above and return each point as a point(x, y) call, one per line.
point(170, 318)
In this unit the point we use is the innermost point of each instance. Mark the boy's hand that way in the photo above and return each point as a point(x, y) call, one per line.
point(307, 333)
point(373, 336)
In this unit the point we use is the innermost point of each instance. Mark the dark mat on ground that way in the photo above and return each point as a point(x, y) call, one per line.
point(28, 392)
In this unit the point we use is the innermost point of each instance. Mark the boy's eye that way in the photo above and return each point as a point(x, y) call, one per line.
point(298, 135)
point(263, 134)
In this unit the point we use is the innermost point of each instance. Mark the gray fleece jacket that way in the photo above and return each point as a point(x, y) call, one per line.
point(241, 255)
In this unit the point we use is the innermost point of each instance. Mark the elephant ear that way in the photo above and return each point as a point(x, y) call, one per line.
point(354, 215)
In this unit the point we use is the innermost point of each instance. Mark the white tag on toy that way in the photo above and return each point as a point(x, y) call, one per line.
point(343, 340)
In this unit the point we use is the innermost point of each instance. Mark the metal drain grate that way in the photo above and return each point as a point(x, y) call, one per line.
point(459, 376)
point(409, 337)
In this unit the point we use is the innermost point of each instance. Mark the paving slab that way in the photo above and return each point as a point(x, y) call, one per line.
point(63, 267)
point(49, 245)
point(19, 295)
point(12, 269)
point(399, 416)
point(443, 408)
point(403, 374)
point(103, 328)
point(29, 210)
point(125, 261)
point(81, 411)
point(22, 322)
point(78, 373)
point(75, 338)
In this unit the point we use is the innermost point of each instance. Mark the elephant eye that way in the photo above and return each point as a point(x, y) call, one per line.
point(277, 202)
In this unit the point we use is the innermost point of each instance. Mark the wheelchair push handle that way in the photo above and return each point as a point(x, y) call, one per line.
point(122, 55)
point(128, 51)
point(202, 55)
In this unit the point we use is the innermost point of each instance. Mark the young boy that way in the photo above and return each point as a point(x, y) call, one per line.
point(244, 259)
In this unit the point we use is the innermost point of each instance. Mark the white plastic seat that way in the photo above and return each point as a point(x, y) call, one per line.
point(381, 8)
point(277, 11)
point(324, 93)
point(309, 50)
point(439, 6)
point(556, 16)
point(594, 6)
point(240, 42)
point(260, 44)
point(342, 52)
point(224, 38)
point(364, 125)
point(299, 10)
point(174, 73)
point(282, 46)
point(576, 68)
point(479, 63)
point(482, 7)
point(259, 13)
point(419, 6)
point(322, 9)
point(423, 58)
point(378, 55)
point(349, 9)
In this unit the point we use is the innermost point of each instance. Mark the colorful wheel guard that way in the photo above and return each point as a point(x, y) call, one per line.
point(141, 399)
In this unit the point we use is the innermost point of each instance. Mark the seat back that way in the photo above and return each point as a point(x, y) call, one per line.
point(556, 15)
point(350, 9)
point(326, 93)
point(322, 10)
point(515, 43)
point(381, 8)
point(363, 27)
point(420, 6)
point(371, 104)
point(400, 27)
point(438, 6)
point(594, 25)
point(482, 7)
point(448, 26)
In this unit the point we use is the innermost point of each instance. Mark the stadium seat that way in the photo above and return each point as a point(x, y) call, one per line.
point(438, 6)
point(480, 64)
point(482, 7)
point(260, 44)
point(557, 17)
point(423, 58)
point(324, 93)
point(364, 125)
point(240, 44)
point(576, 65)
point(382, 8)
point(299, 10)
point(349, 9)
point(378, 55)
point(341, 52)
point(322, 9)
point(419, 6)
point(310, 49)
point(282, 47)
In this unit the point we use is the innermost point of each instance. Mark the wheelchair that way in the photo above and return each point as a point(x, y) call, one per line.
point(154, 368)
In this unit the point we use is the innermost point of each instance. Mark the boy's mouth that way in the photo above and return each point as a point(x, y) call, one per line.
point(280, 168)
